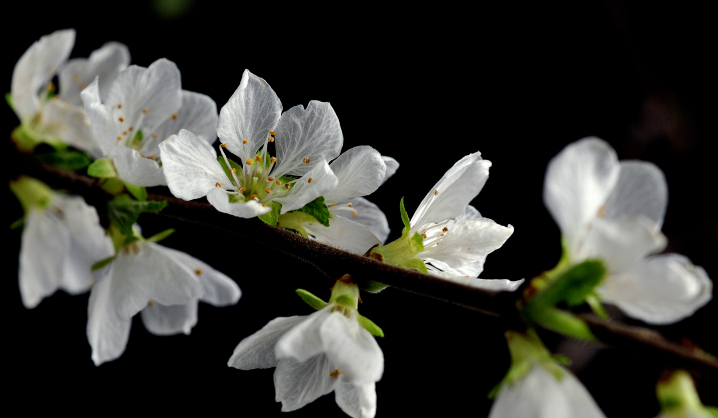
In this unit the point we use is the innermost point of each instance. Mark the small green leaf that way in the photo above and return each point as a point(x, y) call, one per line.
point(272, 216)
point(8, 99)
point(138, 138)
point(139, 192)
point(124, 211)
point(404, 217)
point(317, 209)
point(371, 286)
point(227, 172)
point(17, 224)
point(103, 263)
point(161, 235)
point(370, 326)
point(102, 168)
point(311, 300)
point(65, 159)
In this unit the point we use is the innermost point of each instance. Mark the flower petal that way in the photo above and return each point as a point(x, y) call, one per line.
point(465, 242)
point(345, 234)
point(35, 69)
point(356, 401)
point(170, 320)
point(257, 350)
point(252, 111)
point(135, 169)
point(43, 249)
point(107, 328)
point(578, 181)
point(219, 199)
point(299, 383)
point(198, 115)
point(391, 166)
point(439, 268)
point(663, 290)
point(322, 180)
point(190, 166)
point(70, 124)
point(303, 341)
point(101, 118)
point(105, 63)
point(450, 196)
point(351, 348)
point(366, 213)
point(641, 190)
point(360, 171)
point(310, 135)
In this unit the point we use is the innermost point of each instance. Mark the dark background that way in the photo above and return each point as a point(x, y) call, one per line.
point(425, 85)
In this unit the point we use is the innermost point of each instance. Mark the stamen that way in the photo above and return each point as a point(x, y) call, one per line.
point(272, 133)
point(601, 211)
point(354, 214)
point(124, 133)
point(424, 234)
point(270, 139)
point(50, 87)
point(154, 136)
point(270, 178)
point(287, 186)
point(174, 116)
point(278, 183)
point(249, 161)
point(350, 205)
point(218, 184)
point(121, 119)
point(223, 145)
point(335, 373)
point(259, 158)
point(151, 303)
point(153, 158)
point(273, 160)
point(119, 138)
point(310, 180)
point(436, 192)
point(445, 229)
point(267, 190)
point(246, 141)
point(242, 189)
point(442, 235)
point(198, 272)
point(306, 160)
point(145, 110)
point(263, 205)
point(255, 197)
point(119, 106)
point(233, 171)
point(131, 128)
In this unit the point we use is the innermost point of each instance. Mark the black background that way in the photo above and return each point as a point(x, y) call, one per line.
point(425, 85)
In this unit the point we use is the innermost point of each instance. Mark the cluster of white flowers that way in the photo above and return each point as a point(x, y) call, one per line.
point(143, 130)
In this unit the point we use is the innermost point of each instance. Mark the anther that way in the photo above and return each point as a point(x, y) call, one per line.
point(233, 171)
point(124, 133)
point(153, 158)
point(424, 234)
point(354, 214)
point(310, 180)
point(436, 192)
point(273, 160)
point(174, 116)
point(306, 160)
point(267, 190)
point(287, 185)
point(263, 205)
point(154, 136)
point(249, 161)
point(601, 211)
point(255, 197)
point(277, 182)
point(122, 119)
point(442, 235)
point(350, 205)
point(223, 145)
point(335, 373)
point(272, 133)
point(259, 158)
point(218, 184)
point(132, 128)
point(145, 110)
point(270, 139)
point(270, 178)
point(242, 189)
point(445, 229)
point(246, 141)
point(198, 272)
point(119, 106)
point(119, 138)
point(151, 303)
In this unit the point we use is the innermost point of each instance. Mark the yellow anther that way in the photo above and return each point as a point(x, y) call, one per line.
point(259, 158)
point(131, 128)
point(119, 138)
point(121, 119)
point(310, 180)
point(246, 141)
point(267, 190)
point(468, 275)
point(424, 235)
point(273, 160)
point(145, 110)
point(223, 145)
point(233, 171)
point(255, 197)
point(198, 272)
point(263, 205)
point(445, 229)
point(174, 116)
point(350, 205)
point(335, 373)
point(154, 136)
point(354, 214)
point(270, 178)
point(249, 161)
point(242, 189)
point(153, 158)
point(272, 133)
point(306, 160)
point(270, 139)
point(278, 183)
point(287, 185)
point(119, 105)
point(218, 184)
point(124, 133)
point(436, 192)
point(442, 235)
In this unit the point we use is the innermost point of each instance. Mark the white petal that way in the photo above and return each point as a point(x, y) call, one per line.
point(366, 213)
point(156, 89)
point(257, 350)
point(356, 401)
point(465, 242)
point(345, 234)
point(494, 285)
point(352, 349)
point(313, 134)
point(252, 111)
point(135, 169)
point(198, 115)
point(391, 166)
point(219, 199)
point(170, 320)
point(107, 328)
point(101, 118)
point(578, 181)
point(439, 268)
point(217, 288)
point(540, 395)
point(621, 244)
point(663, 290)
point(43, 248)
point(299, 383)
point(36, 68)
point(360, 171)
point(190, 166)
point(151, 275)
point(70, 124)
point(105, 63)
point(450, 196)
point(641, 190)
point(303, 192)
point(303, 341)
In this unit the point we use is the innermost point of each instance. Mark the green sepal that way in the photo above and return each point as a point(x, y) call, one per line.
point(516, 371)
point(226, 169)
point(137, 139)
point(573, 285)
point(404, 217)
point(103, 263)
point(139, 192)
point(712, 410)
point(311, 300)
point(8, 99)
point(124, 211)
point(161, 235)
point(370, 326)
point(345, 294)
point(65, 159)
point(31, 193)
point(24, 141)
point(418, 241)
point(371, 286)
point(559, 321)
point(345, 301)
point(272, 216)
point(677, 396)
point(102, 168)
point(318, 210)
point(562, 359)
point(595, 303)
point(415, 264)
point(17, 224)
point(295, 221)
point(112, 185)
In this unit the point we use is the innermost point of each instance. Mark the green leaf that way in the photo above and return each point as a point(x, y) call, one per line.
point(103, 263)
point(228, 173)
point(124, 211)
point(317, 209)
point(138, 138)
point(139, 192)
point(713, 410)
point(272, 216)
point(371, 286)
point(17, 224)
point(66, 159)
point(574, 284)
point(370, 326)
point(8, 99)
point(311, 300)
point(404, 217)
point(102, 168)
point(161, 235)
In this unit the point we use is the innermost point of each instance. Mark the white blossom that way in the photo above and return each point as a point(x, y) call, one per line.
point(613, 211)
point(304, 139)
point(161, 283)
point(142, 107)
point(62, 117)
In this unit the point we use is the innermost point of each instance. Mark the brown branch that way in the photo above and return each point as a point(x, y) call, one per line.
point(334, 263)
